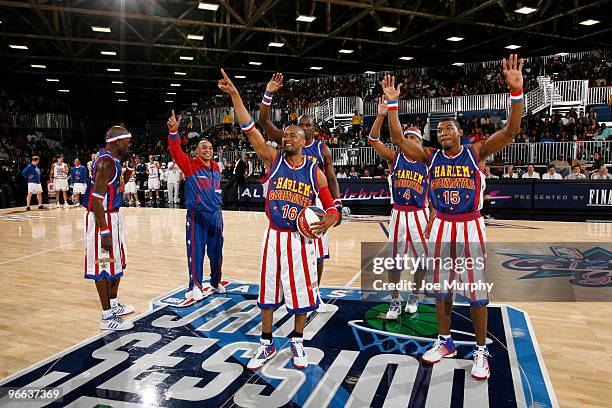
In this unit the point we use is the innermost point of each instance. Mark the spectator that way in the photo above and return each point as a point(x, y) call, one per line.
point(561, 165)
point(341, 173)
point(366, 174)
point(356, 121)
point(551, 174)
point(496, 121)
point(597, 161)
point(575, 174)
point(228, 121)
point(530, 174)
point(353, 174)
point(510, 173)
point(602, 174)
point(487, 172)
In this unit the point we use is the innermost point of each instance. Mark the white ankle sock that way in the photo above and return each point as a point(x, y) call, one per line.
point(446, 337)
point(482, 348)
point(114, 302)
point(107, 313)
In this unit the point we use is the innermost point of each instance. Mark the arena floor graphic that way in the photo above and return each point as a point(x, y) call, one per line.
point(197, 356)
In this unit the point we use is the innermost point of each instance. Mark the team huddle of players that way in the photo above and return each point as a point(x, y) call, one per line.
point(300, 175)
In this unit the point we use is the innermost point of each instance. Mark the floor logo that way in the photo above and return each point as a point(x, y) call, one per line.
point(590, 268)
point(196, 356)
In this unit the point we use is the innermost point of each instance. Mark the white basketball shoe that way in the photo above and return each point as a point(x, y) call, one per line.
point(264, 352)
point(120, 310)
point(480, 366)
point(114, 322)
point(298, 354)
point(412, 305)
point(395, 309)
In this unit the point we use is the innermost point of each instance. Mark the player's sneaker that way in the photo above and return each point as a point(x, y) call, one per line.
point(412, 304)
point(42, 207)
point(322, 308)
point(219, 289)
point(442, 348)
point(265, 351)
point(66, 206)
point(28, 209)
point(480, 366)
point(120, 310)
point(297, 353)
point(196, 294)
point(395, 309)
point(115, 323)
point(57, 205)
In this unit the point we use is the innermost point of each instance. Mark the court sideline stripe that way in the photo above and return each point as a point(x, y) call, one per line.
point(41, 252)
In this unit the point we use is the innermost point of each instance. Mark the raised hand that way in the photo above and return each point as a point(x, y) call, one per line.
point(391, 91)
point(513, 72)
point(226, 85)
point(173, 122)
point(275, 83)
point(382, 106)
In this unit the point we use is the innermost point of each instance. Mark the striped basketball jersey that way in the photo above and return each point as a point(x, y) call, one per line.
point(113, 199)
point(408, 182)
point(457, 183)
point(314, 152)
point(288, 190)
point(60, 171)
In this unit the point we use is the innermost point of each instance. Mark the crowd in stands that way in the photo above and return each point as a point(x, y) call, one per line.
point(15, 104)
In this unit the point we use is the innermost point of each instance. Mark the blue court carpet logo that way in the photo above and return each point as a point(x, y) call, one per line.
point(590, 268)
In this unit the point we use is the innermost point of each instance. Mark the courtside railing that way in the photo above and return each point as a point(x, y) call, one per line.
point(599, 94)
point(514, 153)
point(38, 120)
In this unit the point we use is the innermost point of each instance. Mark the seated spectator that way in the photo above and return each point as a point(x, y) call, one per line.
point(385, 175)
point(496, 121)
point(366, 174)
point(341, 174)
point(561, 165)
point(551, 174)
point(353, 174)
point(597, 161)
point(510, 173)
point(601, 174)
point(576, 174)
point(530, 174)
point(603, 133)
point(487, 172)
point(477, 136)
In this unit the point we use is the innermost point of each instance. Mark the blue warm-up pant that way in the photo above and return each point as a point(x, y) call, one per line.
point(204, 233)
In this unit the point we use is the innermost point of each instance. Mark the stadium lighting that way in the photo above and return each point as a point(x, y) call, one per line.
point(63, 90)
point(119, 92)
point(38, 66)
point(180, 73)
point(525, 10)
point(589, 22)
point(276, 44)
point(168, 101)
point(345, 51)
point(52, 80)
point(387, 29)
point(195, 37)
point(170, 93)
point(113, 69)
point(458, 64)
point(186, 58)
point(208, 6)
point(121, 100)
point(316, 68)
point(513, 47)
point(305, 19)
point(117, 82)
point(18, 47)
point(112, 53)
point(406, 58)
point(175, 84)
point(99, 29)
point(257, 63)
point(455, 39)
point(239, 76)
point(369, 72)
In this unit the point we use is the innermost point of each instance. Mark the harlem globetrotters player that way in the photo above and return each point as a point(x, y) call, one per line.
point(288, 267)
point(314, 150)
point(106, 253)
point(410, 216)
point(457, 183)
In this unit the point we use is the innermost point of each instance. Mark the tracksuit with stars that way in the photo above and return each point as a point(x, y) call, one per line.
point(204, 225)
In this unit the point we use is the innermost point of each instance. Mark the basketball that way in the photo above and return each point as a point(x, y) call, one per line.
point(306, 218)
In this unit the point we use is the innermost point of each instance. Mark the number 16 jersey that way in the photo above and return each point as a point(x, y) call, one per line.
point(456, 183)
point(288, 190)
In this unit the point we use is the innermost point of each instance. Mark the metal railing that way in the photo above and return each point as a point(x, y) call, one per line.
point(599, 94)
point(38, 120)
point(570, 91)
point(537, 153)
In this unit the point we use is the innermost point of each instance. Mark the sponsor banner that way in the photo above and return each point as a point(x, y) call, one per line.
point(585, 196)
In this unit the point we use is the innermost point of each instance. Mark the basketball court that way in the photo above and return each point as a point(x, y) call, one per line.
point(544, 353)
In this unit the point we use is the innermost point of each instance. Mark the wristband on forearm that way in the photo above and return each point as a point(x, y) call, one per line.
point(516, 96)
point(338, 203)
point(247, 126)
point(392, 105)
point(105, 231)
point(267, 99)
point(373, 138)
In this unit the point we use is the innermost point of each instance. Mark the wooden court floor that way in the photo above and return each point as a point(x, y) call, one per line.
point(47, 306)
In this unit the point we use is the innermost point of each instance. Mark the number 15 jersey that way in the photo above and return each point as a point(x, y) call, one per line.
point(288, 190)
point(456, 183)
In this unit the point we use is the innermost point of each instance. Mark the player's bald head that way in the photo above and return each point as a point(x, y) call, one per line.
point(295, 130)
point(115, 131)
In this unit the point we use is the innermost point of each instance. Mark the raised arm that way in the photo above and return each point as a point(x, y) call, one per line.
point(179, 157)
point(512, 70)
point(412, 150)
point(265, 152)
point(264, 121)
point(374, 137)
